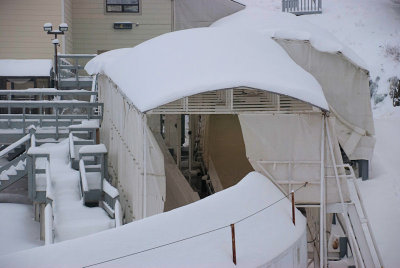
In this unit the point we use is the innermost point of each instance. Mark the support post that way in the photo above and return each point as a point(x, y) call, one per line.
point(144, 122)
point(322, 202)
point(293, 209)
point(233, 243)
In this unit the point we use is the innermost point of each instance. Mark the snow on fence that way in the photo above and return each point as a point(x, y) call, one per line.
point(302, 7)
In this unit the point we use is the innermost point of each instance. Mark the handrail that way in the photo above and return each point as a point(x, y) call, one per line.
point(118, 214)
point(71, 146)
point(49, 188)
point(46, 92)
point(82, 171)
point(14, 145)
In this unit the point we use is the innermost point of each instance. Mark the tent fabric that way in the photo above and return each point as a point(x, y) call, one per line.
point(122, 131)
point(340, 72)
point(346, 88)
point(183, 64)
point(274, 151)
point(201, 13)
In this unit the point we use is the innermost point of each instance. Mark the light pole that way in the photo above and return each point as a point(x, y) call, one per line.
point(48, 27)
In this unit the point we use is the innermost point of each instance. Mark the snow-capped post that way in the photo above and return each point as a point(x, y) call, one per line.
point(233, 243)
point(293, 209)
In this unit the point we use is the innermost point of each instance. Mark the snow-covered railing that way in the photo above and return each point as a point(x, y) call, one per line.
point(16, 144)
point(48, 212)
point(111, 204)
point(302, 7)
point(71, 146)
point(38, 159)
point(49, 110)
point(84, 183)
point(48, 224)
point(71, 71)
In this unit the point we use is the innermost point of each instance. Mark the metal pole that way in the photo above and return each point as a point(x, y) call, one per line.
point(322, 202)
point(55, 64)
point(144, 166)
point(233, 243)
point(293, 209)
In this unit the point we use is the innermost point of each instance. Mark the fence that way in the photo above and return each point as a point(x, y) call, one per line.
point(302, 7)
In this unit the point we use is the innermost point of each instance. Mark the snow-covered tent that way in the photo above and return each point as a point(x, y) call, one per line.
point(249, 106)
point(344, 76)
point(233, 73)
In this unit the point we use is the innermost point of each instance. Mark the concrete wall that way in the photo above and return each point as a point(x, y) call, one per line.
point(21, 28)
point(93, 27)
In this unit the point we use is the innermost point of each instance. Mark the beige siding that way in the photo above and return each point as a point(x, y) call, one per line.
point(68, 20)
point(93, 27)
point(21, 28)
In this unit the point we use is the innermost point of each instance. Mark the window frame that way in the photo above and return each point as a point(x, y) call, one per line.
point(139, 4)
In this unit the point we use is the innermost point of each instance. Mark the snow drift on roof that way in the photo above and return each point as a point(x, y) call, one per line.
point(259, 238)
point(188, 62)
point(28, 68)
point(288, 26)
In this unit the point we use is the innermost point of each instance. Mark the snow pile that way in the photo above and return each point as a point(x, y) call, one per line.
point(259, 238)
point(25, 67)
point(288, 26)
point(180, 64)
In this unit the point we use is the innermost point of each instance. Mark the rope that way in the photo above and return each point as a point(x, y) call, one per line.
point(193, 236)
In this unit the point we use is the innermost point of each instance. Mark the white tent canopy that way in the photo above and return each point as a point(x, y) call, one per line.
point(199, 60)
point(281, 25)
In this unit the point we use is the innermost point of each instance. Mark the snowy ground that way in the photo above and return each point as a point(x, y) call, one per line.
point(18, 229)
point(381, 193)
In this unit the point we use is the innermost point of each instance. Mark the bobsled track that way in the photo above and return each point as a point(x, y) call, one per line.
point(258, 210)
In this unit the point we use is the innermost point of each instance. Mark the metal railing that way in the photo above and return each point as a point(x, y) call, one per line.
point(302, 7)
point(47, 109)
point(71, 72)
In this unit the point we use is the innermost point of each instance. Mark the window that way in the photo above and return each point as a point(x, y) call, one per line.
point(122, 6)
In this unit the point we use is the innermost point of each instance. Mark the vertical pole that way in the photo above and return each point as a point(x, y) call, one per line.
point(144, 167)
point(233, 243)
point(190, 150)
point(322, 201)
point(55, 65)
point(293, 209)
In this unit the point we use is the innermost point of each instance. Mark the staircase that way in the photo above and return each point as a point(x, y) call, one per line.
point(364, 247)
point(15, 154)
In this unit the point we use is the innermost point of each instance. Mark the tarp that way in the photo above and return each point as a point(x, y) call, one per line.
point(287, 149)
point(122, 131)
point(341, 73)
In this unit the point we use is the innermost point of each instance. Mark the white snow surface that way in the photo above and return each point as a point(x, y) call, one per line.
point(188, 62)
point(288, 26)
point(259, 239)
point(18, 229)
point(25, 67)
